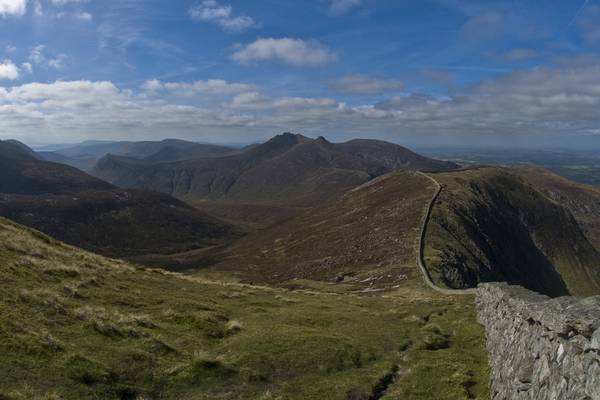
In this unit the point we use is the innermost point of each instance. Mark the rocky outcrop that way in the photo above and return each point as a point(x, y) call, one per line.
point(540, 348)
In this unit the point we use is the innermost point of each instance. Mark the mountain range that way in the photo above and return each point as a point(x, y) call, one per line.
point(85, 155)
point(289, 169)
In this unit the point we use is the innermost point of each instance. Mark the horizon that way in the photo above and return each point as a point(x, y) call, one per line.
point(435, 72)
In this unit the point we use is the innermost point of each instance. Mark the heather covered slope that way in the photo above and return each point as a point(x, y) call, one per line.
point(289, 170)
point(75, 326)
point(87, 212)
point(490, 225)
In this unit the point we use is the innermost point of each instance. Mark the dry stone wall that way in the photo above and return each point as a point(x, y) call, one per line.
point(540, 348)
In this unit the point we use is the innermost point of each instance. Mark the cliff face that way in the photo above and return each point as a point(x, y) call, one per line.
point(540, 348)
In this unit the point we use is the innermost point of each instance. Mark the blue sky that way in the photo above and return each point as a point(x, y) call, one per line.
point(411, 71)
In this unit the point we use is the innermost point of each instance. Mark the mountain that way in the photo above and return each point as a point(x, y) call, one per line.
point(289, 169)
point(489, 224)
point(74, 325)
point(88, 212)
point(85, 155)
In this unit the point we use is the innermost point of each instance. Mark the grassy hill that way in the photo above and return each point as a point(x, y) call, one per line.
point(490, 225)
point(74, 325)
point(82, 210)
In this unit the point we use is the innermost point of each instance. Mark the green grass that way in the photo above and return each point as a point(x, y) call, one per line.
point(78, 326)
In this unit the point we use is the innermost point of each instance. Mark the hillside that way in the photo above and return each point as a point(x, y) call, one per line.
point(490, 225)
point(87, 212)
point(487, 225)
point(366, 238)
point(21, 172)
point(74, 326)
point(289, 170)
point(84, 156)
point(581, 200)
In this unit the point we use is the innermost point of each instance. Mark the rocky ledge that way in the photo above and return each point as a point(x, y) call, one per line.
point(540, 348)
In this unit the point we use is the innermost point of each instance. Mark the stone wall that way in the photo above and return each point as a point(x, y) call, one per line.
point(540, 348)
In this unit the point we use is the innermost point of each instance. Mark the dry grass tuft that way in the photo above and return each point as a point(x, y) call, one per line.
point(115, 324)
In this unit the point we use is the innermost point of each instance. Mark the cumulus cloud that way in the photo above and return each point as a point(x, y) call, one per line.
point(212, 86)
point(544, 101)
point(222, 15)
point(342, 6)
point(295, 52)
point(364, 85)
point(12, 7)
point(8, 70)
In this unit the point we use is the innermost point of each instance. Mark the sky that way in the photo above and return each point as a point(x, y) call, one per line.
point(517, 73)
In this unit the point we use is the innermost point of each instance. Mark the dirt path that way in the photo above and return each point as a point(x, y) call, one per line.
point(421, 246)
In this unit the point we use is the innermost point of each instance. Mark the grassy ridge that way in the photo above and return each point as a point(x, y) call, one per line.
point(78, 326)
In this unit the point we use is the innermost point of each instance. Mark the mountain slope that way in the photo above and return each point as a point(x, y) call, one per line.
point(581, 200)
point(85, 211)
point(74, 325)
point(21, 172)
point(490, 225)
point(366, 238)
point(288, 169)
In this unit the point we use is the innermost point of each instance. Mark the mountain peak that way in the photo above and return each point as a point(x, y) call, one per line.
point(288, 138)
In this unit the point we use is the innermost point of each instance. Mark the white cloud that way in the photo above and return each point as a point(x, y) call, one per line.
point(13, 7)
point(27, 67)
point(289, 51)
point(84, 16)
point(10, 49)
point(222, 15)
point(364, 85)
point(212, 86)
point(37, 56)
point(342, 6)
point(8, 70)
point(561, 101)
point(58, 62)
